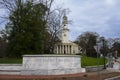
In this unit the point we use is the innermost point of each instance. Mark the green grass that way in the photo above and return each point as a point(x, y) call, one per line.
point(10, 61)
point(85, 61)
point(90, 61)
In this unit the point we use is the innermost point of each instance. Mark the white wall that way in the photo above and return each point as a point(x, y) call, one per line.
point(10, 68)
point(51, 64)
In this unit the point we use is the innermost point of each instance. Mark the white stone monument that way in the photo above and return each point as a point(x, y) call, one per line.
point(51, 64)
point(116, 66)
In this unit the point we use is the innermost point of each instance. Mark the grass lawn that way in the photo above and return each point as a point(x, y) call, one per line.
point(85, 61)
point(10, 61)
point(90, 61)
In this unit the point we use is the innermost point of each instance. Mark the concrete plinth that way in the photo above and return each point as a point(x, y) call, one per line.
point(116, 66)
point(51, 64)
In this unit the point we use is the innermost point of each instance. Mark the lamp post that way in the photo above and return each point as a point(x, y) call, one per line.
point(103, 42)
point(96, 48)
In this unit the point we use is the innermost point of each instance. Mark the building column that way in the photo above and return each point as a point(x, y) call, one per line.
point(63, 49)
point(66, 48)
point(71, 49)
point(57, 49)
point(60, 49)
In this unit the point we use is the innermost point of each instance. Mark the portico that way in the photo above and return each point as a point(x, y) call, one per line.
point(66, 48)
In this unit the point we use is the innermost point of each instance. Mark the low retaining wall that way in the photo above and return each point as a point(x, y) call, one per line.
point(94, 68)
point(51, 64)
point(44, 65)
point(10, 68)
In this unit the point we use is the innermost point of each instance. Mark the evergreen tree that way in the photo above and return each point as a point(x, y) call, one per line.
point(26, 29)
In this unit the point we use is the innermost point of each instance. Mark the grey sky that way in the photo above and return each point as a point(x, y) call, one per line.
point(101, 16)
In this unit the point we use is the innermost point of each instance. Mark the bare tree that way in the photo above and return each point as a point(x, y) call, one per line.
point(110, 42)
point(52, 19)
point(54, 27)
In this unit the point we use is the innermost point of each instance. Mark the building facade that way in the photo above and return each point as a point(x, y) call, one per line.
point(65, 46)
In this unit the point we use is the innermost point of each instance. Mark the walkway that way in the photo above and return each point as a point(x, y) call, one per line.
point(80, 76)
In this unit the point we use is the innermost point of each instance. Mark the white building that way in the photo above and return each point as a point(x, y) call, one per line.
point(65, 46)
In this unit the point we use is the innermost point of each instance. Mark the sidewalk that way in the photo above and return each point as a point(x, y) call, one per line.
point(101, 75)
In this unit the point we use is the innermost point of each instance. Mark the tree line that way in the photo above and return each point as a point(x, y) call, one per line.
point(32, 28)
point(88, 40)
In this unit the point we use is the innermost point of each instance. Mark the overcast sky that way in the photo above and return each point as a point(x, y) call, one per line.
point(101, 16)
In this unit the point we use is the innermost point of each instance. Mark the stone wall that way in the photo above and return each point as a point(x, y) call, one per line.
point(10, 68)
point(51, 64)
point(44, 65)
point(94, 68)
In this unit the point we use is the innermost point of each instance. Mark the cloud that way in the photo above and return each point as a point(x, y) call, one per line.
point(101, 16)
point(110, 2)
point(114, 26)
